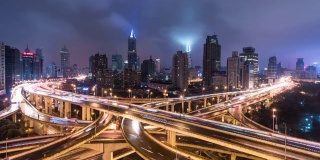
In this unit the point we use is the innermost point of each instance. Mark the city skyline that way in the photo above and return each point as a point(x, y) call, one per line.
point(105, 26)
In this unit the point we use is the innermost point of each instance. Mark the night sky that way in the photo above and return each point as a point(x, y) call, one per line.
point(288, 29)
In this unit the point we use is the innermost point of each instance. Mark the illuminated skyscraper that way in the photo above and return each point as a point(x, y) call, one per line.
point(65, 62)
point(188, 50)
point(272, 69)
point(132, 52)
point(234, 71)
point(211, 59)
point(180, 70)
point(158, 69)
point(2, 69)
point(52, 70)
point(250, 55)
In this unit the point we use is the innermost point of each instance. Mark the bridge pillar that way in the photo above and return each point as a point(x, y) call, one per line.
point(67, 109)
point(171, 138)
point(233, 156)
point(234, 122)
point(86, 113)
point(222, 118)
point(167, 107)
point(172, 107)
point(61, 109)
point(31, 98)
point(218, 99)
point(30, 123)
point(182, 107)
point(227, 97)
point(14, 118)
point(204, 102)
point(48, 105)
point(189, 106)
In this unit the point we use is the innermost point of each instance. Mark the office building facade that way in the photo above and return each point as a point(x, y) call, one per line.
point(272, 69)
point(148, 69)
point(132, 52)
point(117, 63)
point(65, 62)
point(252, 57)
point(211, 58)
point(180, 70)
point(234, 71)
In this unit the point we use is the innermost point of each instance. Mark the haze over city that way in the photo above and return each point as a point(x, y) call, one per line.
point(288, 29)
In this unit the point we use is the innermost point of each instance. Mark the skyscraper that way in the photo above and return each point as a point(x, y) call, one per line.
point(250, 55)
point(148, 69)
point(211, 59)
point(52, 71)
point(65, 62)
point(180, 70)
point(31, 65)
point(2, 69)
point(117, 62)
point(234, 71)
point(138, 64)
point(12, 67)
point(300, 64)
point(248, 74)
point(132, 51)
point(158, 69)
point(100, 69)
point(272, 69)
point(41, 59)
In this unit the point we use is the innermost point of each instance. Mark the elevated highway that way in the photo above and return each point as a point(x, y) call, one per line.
point(206, 130)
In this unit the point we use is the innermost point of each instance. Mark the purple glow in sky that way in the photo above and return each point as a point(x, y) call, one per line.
point(288, 29)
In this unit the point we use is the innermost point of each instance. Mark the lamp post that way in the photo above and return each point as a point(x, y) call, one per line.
point(273, 110)
point(182, 104)
point(110, 92)
point(203, 89)
point(105, 93)
point(285, 140)
point(95, 124)
point(276, 125)
point(130, 91)
point(150, 94)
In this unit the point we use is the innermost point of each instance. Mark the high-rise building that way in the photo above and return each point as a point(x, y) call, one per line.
point(74, 70)
point(188, 50)
point(117, 63)
point(41, 60)
point(211, 58)
point(138, 64)
point(180, 70)
point(272, 69)
point(234, 71)
point(311, 72)
point(125, 64)
point(100, 69)
point(250, 55)
point(131, 78)
point(300, 64)
point(132, 51)
point(52, 70)
point(158, 69)
point(2, 69)
point(31, 65)
point(65, 62)
point(148, 69)
point(12, 67)
point(248, 74)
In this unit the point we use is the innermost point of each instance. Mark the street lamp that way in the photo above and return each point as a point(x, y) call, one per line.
point(285, 140)
point(203, 89)
point(150, 94)
point(111, 92)
point(273, 110)
point(105, 93)
point(130, 91)
point(276, 125)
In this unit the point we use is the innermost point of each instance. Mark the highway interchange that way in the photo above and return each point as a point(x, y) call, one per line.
point(264, 144)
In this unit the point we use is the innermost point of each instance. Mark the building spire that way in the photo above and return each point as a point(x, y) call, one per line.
point(132, 34)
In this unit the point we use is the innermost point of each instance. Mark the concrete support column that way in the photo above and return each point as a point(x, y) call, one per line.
point(30, 123)
point(86, 113)
point(222, 118)
point(205, 102)
point(171, 138)
point(234, 122)
point(61, 109)
point(172, 107)
point(227, 97)
point(189, 106)
point(233, 156)
point(48, 105)
point(218, 99)
point(31, 97)
point(14, 118)
point(182, 107)
point(67, 109)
